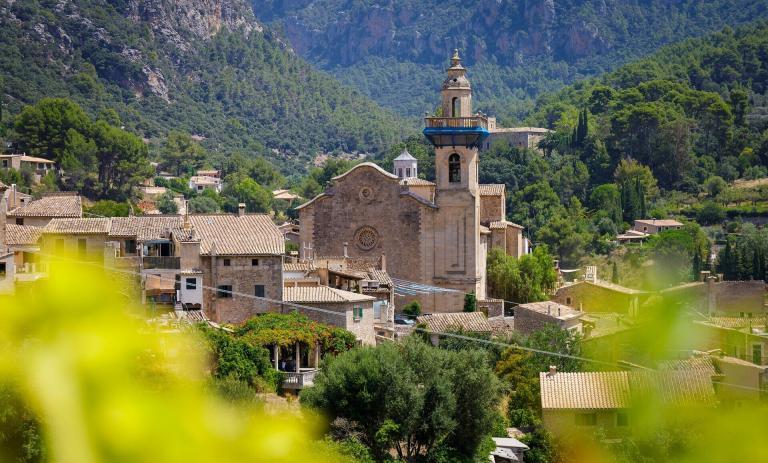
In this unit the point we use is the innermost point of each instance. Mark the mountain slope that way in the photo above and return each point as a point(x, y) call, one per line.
point(202, 66)
point(518, 48)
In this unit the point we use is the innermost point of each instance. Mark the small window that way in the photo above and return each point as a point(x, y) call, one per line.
point(586, 419)
point(82, 245)
point(259, 290)
point(130, 246)
point(454, 168)
point(224, 291)
point(757, 354)
point(255, 262)
point(407, 171)
point(40, 165)
point(2, 270)
point(191, 283)
point(227, 262)
point(567, 301)
point(400, 172)
point(357, 313)
point(622, 419)
point(5, 163)
point(19, 221)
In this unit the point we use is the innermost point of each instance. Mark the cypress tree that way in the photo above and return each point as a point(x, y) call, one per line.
point(696, 267)
point(615, 273)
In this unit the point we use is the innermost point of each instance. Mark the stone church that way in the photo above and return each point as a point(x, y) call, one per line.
point(431, 233)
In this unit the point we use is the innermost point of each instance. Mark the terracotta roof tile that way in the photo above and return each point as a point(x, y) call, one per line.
point(298, 267)
point(415, 181)
point(78, 226)
point(380, 276)
point(618, 389)
point(492, 189)
point(22, 235)
point(65, 206)
point(552, 309)
point(502, 224)
point(702, 363)
point(321, 294)
point(250, 234)
point(143, 228)
point(467, 321)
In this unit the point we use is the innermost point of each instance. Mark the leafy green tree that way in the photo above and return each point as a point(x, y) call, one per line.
point(166, 204)
point(180, 154)
point(108, 208)
point(470, 302)
point(527, 279)
point(241, 189)
point(411, 397)
point(21, 438)
point(43, 128)
point(203, 205)
point(715, 185)
point(605, 200)
point(412, 309)
point(710, 213)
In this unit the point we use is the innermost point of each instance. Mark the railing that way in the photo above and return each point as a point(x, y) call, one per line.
point(161, 262)
point(299, 380)
point(457, 122)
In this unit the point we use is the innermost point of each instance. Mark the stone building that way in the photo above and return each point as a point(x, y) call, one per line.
point(518, 137)
point(601, 296)
point(535, 316)
point(432, 233)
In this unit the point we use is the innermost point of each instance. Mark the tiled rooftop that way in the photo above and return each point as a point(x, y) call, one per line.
point(143, 228)
point(298, 267)
point(321, 294)
point(466, 321)
point(618, 389)
point(492, 189)
point(552, 309)
point(65, 206)
point(502, 224)
point(22, 235)
point(415, 181)
point(250, 234)
point(88, 226)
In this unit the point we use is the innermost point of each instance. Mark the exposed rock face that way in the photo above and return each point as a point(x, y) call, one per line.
point(175, 27)
point(502, 31)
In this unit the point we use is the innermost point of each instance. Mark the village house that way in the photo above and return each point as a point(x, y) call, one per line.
point(601, 296)
point(508, 450)
point(574, 403)
point(654, 226)
point(517, 137)
point(534, 316)
point(714, 296)
point(465, 322)
point(81, 238)
point(291, 232)
point(433, 233)
point(21, 162)
point(345, 309)
point(202, 182)
point(7, 273)
point(744, 338)
point(22, 241)
point(39, 212)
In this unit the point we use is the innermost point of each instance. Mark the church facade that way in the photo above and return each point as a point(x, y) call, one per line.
point(429, 233)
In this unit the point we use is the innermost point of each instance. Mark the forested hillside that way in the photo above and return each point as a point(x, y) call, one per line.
point(395, 50)
point(206, 68)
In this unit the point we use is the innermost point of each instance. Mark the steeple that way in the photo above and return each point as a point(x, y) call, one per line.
point(406, 165)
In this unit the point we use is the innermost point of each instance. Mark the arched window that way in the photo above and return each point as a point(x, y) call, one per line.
point(454, 168)
point(455, 107)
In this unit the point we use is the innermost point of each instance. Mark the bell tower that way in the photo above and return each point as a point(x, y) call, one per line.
point(457, 135)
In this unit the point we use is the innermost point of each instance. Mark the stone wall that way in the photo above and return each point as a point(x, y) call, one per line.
point(492, 208)
point(527, 321)
point(243, 276)
point(343, 317)
point(94, 245)
point(740, 296)
point(593, 298)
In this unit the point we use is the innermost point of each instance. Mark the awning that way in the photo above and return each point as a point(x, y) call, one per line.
point(155, 285)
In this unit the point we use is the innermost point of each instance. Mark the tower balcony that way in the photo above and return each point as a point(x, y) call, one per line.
point(456, 131)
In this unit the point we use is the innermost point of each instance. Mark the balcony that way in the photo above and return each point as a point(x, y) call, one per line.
point(300, 380)
point(161, 262)
point(456, 131)
point(473, 122)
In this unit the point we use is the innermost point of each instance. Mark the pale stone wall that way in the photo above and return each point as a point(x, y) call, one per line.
point(593, 298)
point(343, 317)
point(563, 423)
point(527, 321)
point(94, 245)
point(7, 284)
point(243, 277)
point(33, 221)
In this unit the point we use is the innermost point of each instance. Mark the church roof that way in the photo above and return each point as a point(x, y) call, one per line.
point(492, 189)
point(364, 165)
point(405, 156)
point(321, 195)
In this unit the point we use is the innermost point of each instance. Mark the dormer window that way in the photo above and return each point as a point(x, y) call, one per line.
point(454, 168)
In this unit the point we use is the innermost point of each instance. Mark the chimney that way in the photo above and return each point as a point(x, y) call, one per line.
point(346, 245)
point(383, 262)
point(552, 371)
point(549, 309)
point(241, 209)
